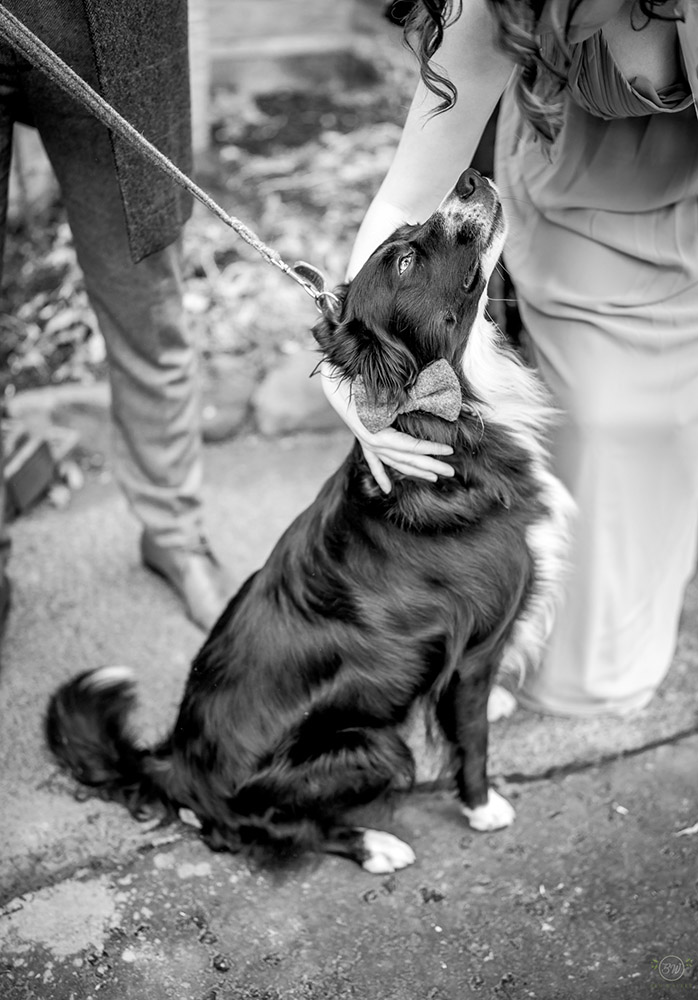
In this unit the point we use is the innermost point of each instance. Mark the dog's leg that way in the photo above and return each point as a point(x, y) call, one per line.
point(462, 711)
point(495, 814)
point(501, 704)
point(376, 851)
point(314, 779)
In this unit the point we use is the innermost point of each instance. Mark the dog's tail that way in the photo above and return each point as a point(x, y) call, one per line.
point(87, 730)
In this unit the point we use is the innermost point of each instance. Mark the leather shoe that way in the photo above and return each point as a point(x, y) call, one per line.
point(194, 574)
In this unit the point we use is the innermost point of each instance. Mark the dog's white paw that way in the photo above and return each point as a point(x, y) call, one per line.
point(500, 704)
point(385, 853)
point(107, 677)
point(189, 817)
point(494, 815)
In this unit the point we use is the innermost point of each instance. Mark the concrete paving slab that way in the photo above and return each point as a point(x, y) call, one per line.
point(81, 599)
point(587, 895)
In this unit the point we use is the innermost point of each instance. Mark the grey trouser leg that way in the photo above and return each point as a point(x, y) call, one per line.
point(6, 118)
point(152, 360)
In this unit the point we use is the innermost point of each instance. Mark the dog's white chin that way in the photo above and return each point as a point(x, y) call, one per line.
point(490, 258)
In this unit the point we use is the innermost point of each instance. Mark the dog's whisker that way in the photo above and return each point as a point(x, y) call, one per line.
point(514, 200)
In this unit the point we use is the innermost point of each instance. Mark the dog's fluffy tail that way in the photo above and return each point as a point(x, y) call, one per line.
point(87, 730)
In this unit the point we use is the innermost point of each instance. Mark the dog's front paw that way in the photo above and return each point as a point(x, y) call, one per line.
point(500, 704)
point(385, 853)
point(494, 815)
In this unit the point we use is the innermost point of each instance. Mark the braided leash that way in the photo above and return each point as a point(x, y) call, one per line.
point(16, 33)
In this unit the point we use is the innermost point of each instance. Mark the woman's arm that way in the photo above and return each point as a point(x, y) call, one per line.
point(435, 149)
point(431, 154)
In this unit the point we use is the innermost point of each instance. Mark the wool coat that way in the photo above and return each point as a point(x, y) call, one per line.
point(139, 64)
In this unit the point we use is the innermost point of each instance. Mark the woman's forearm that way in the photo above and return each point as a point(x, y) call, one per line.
point(435, 149)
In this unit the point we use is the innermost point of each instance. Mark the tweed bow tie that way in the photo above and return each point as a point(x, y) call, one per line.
point(437, 390)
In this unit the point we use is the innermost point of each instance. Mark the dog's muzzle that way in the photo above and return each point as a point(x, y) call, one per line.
point(473, 201)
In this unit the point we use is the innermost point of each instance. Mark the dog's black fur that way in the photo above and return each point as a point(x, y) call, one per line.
point(369, 603)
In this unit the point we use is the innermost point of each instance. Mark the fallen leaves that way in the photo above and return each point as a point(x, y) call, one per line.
point(52, 334)
point(297, 168)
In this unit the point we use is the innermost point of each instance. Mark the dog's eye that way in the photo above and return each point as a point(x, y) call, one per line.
point(471, 280)
point(404, 261)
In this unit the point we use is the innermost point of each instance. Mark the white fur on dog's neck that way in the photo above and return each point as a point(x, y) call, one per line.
point(513, 397)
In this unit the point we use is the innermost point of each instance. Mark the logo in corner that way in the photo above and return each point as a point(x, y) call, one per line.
point(672, 968)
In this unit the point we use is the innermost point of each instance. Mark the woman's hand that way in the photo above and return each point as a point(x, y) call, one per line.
point(401, 452)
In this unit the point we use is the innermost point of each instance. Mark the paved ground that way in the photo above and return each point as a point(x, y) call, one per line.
point(584, 896)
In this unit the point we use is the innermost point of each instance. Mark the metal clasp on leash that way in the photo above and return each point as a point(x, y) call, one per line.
point(315, 284)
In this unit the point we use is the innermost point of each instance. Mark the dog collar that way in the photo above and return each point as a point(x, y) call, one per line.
point(436, 390)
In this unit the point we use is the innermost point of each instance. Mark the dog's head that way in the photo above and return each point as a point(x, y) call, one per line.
point(419, 295)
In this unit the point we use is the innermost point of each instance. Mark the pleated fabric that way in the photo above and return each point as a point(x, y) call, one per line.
point(603, 250)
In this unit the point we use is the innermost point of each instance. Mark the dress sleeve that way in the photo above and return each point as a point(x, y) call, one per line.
point(587, 19)
point(688, 37)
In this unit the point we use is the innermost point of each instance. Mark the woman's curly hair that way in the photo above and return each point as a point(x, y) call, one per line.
point(539, 83)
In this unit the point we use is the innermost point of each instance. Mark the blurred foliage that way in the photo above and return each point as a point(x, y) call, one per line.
point(298, 168)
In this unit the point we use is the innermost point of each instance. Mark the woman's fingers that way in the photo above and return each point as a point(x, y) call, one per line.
point(377, 470)
point(418, 465)
point(411, 456)
point(393, 440)
point(411, 471)
point(415, 466)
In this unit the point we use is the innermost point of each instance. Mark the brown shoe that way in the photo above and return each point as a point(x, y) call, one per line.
point(195, 575)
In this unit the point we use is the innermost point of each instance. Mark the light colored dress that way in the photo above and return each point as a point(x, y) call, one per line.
point(603, 250)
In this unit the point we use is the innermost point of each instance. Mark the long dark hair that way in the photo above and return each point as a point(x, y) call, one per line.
point(539, 83)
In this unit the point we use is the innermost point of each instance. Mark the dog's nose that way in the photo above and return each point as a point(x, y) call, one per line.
point(469, 182)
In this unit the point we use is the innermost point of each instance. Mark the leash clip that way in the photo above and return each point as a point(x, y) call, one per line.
point(315, 284)
point(320, 297)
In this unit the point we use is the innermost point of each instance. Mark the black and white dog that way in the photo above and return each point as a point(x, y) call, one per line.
point(371, 605)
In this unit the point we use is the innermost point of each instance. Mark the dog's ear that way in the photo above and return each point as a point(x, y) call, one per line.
point(385, 365)
point(354, 339)
point(331, 306)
